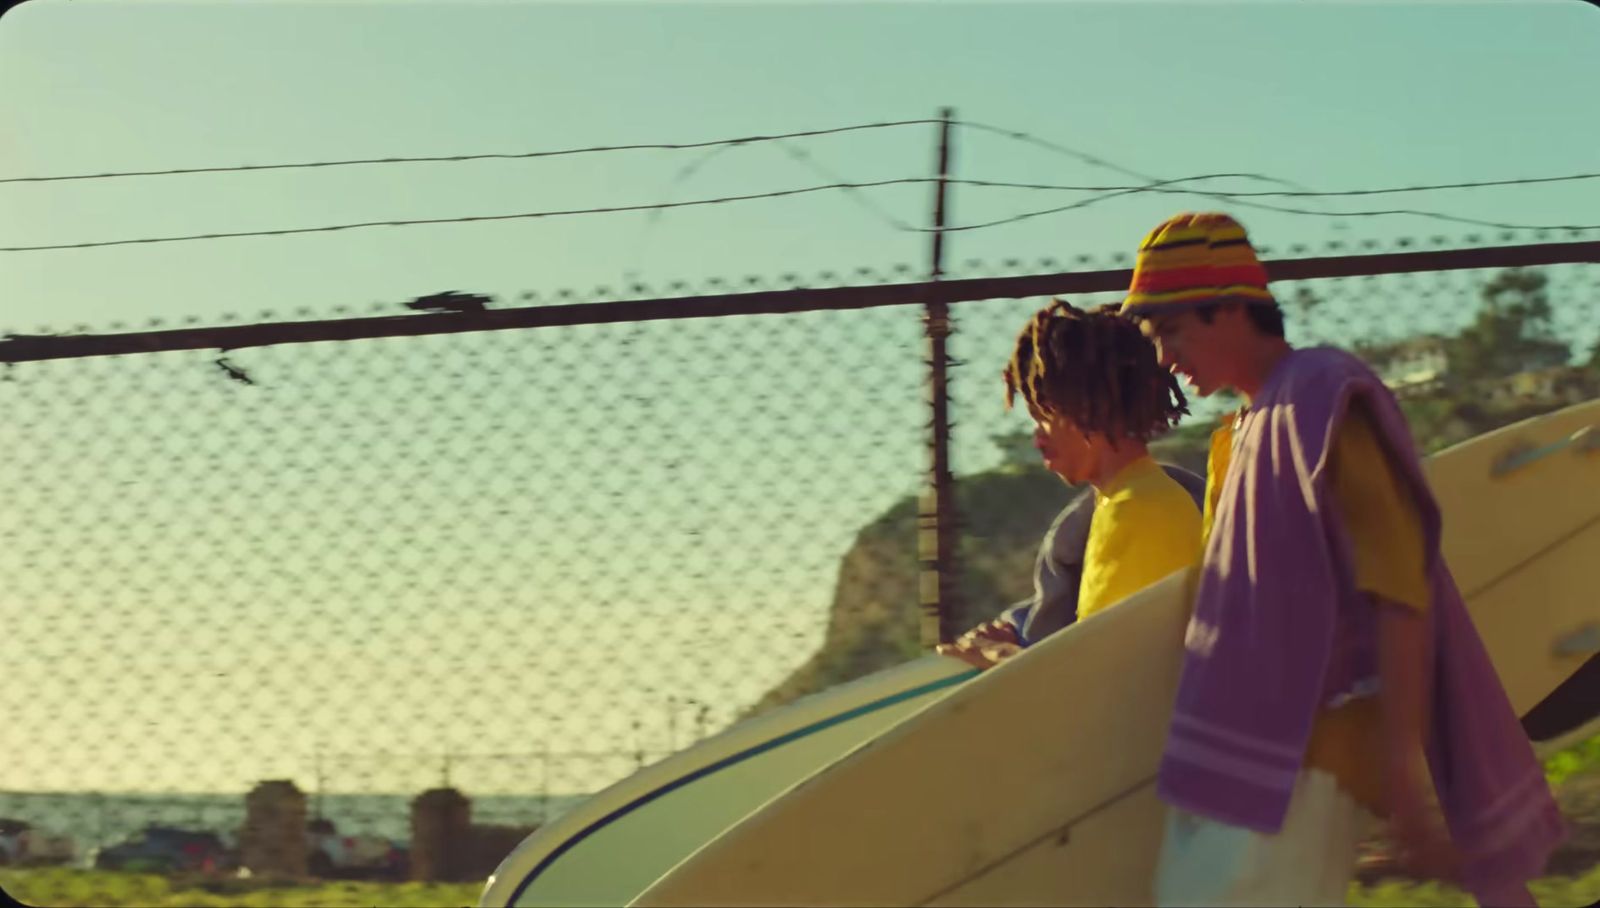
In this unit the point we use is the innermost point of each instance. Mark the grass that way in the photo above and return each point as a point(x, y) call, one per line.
point(71, 887)
point(53, 886)
point(1555, 892)
point(1581, 757)
point(57, 886)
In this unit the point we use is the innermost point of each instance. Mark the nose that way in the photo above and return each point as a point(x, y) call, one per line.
point(1038, 439)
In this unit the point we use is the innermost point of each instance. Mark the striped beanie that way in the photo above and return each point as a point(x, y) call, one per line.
point(1193, 259)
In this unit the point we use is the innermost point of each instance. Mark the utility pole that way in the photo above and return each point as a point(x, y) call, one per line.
point(544, 784)
point(702, 720)
point(321, 782)
point(936, 512)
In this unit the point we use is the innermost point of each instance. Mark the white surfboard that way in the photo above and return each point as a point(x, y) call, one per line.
point(612, 846)
point(910, 818)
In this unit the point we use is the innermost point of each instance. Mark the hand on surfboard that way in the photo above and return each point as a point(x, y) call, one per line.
point(984, 646)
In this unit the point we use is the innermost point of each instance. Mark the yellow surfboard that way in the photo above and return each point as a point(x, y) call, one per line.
point(612, 846)
point(974, 800)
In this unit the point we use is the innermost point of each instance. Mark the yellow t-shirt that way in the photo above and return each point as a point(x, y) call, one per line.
point(1145, 526)
point(1386, 538)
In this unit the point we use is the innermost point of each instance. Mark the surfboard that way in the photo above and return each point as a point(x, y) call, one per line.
point(923, 815)
point(610, 847)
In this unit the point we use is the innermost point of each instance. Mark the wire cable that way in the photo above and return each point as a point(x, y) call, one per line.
point(471, 219)
point(654, 218)
point(1154, 185)
point(1433, 215)
point(657, 146)
point(1291, 193)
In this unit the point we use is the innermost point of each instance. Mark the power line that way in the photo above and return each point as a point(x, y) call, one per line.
point(1434, 215)
point(1086, 157)
point(1150, 181)
point(470, 219)
point(806, 159)
point(1083, 156)
point(794, 152)
point(1154, 185)
point(1242, 200)
point(1106, 193)
point(654, 207)
point(1095, 200)
point(1306, 193)
point(657, 146)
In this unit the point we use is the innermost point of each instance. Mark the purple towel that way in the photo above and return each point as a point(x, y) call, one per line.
point(1279, 632)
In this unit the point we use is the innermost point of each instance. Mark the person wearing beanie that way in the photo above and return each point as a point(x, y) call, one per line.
point(1331, 676)
point(1097, 395)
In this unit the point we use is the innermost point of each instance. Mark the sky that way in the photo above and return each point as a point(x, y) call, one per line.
point(590, 452)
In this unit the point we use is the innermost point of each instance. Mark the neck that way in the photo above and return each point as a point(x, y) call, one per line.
point(1257, 365)
point(1114, 460)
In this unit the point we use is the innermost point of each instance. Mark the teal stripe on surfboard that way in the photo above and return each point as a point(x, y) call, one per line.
point(732, 760)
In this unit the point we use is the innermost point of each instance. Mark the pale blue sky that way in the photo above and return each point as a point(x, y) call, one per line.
point(1331, 95)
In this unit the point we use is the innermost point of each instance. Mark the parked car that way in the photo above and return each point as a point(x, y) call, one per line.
point(167, 849)
point(22, 844)
point(331, 855)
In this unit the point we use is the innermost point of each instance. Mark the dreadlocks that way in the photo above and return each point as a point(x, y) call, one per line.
point(1095, 368)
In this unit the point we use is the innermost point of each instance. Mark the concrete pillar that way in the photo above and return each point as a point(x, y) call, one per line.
point(273, 840)
point(441, 826)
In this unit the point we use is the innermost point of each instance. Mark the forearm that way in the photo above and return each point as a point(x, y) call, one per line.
point(1402, 667)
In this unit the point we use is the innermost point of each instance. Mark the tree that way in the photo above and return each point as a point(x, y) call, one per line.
point(1512, 332)
point(1016, 450)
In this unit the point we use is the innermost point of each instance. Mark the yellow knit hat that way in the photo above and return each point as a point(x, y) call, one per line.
point(1193, 259)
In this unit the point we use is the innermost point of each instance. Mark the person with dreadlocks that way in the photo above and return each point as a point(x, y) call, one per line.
point(1331, 673)
point(1097, 395)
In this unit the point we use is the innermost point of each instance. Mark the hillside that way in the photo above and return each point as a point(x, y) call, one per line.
point(873, 623)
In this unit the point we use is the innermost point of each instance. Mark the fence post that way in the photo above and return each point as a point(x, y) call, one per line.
point(936, 512)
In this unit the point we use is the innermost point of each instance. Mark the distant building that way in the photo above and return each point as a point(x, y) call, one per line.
point(1416, 366)
point(1559, 385)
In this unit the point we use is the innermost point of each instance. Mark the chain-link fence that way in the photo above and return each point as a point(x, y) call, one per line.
point(520, 550)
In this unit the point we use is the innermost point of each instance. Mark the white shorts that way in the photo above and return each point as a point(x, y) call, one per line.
point(1310, 861)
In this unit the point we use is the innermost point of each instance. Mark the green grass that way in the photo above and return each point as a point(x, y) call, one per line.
point(118, 890)
point(1581, 757)
point(1555, 892)
point(69, 887)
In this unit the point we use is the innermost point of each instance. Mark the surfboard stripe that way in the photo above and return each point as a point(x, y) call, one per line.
point(726, 762)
